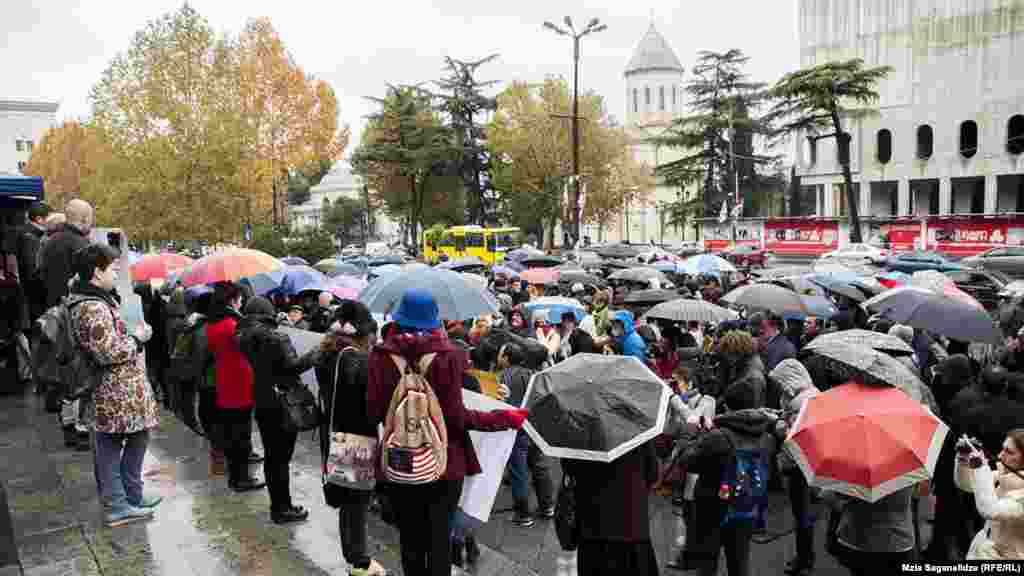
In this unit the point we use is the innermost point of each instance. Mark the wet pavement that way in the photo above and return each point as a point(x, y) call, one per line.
point(204, 528)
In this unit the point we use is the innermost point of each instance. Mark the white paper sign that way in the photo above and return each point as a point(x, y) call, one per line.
point(304, 341)
point(492, 449)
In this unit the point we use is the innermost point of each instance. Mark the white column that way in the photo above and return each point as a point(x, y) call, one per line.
point(991, 194)
point(903, 197)
point(946, 196)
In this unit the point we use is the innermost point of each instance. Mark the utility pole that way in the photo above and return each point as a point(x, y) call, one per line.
point(593, 26)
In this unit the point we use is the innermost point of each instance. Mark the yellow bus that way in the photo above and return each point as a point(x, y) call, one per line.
point(487, 244)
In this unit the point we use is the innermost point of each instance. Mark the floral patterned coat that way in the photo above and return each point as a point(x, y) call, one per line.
point(123, 399)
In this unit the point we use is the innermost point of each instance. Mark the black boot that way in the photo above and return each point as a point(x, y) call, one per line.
point(472, 550)
point(803, 564)
point(457, 553)
point(289, 515)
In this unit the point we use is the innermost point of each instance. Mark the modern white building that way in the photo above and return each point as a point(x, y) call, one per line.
point(340, 182)
point(944, 157)
point(654, 98)
point(22, 125)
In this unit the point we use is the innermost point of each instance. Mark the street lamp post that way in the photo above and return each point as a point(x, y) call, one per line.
point(593, 26)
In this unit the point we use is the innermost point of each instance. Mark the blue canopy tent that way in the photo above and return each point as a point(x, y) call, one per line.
point(24, 188)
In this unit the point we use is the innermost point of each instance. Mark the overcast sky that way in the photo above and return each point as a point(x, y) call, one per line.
point(57, 49)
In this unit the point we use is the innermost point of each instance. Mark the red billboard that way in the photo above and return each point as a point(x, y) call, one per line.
point(967, 236)
point(809, 237)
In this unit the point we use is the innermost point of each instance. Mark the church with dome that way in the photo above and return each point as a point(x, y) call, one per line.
point(653, 79)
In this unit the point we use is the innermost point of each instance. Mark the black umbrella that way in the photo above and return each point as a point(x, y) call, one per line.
point(619, 251)
point(687, 310)
point(595, 407)
point(572, 276)
point(543, 261)
point(656, 296)
point(639, 274)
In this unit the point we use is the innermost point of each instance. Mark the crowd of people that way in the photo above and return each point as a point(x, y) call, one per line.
point(218, 359)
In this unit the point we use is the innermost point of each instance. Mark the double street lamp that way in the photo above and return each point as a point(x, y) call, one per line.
point(593, 26)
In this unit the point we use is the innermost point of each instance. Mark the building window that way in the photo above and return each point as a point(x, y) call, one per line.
point(647, 98)
point(812, 151)
point(925, 141)
point(968, 138)
point(1015, 135)
point(18, 145)
point(636, 100)
point(883, 147)
point(661, 98)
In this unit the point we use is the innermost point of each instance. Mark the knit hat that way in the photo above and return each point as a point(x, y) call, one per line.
point(259, 306)
point(417, 310)
point(353, 318)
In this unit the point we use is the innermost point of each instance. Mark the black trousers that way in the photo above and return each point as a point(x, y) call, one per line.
point(278, 448)
point(733, 538)
point(237, 428)
point(352, 525)
point(423, 513)
point(804, 507)
point(210, 419)
point(607, 558)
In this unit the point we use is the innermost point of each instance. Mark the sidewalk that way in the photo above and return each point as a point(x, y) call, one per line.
point(204, 528)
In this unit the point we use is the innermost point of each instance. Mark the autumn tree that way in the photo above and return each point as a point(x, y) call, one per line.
point(531, 145)
point(406, 155)
point(721, 96)
point(66, 156)
point(814, 100)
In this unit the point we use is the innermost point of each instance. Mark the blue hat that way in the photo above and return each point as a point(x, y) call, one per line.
point(417, 310)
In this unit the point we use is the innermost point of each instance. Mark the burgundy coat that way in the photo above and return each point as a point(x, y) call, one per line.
point(445, 377)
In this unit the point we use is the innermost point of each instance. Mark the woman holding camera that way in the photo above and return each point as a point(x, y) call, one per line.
point(999, 495)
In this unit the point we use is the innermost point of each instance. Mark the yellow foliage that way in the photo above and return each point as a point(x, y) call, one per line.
point(66, 155)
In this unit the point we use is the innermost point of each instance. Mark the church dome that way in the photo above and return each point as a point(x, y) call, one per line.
point(653, 53)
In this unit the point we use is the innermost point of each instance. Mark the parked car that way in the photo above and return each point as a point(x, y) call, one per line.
point(910, 262)
point(746, 255)
point(987, 287)
point(858, 253)
point(1006, 259)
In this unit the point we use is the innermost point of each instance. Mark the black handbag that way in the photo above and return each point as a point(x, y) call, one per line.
point(299, 409)
point(566, 522)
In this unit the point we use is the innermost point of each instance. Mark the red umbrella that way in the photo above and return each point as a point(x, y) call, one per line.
point(229, 265)
point(865, 441)
point(153, 266)
point(540, 275)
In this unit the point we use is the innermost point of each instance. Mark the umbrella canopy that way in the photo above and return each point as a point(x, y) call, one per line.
point(937, 314)
point(521, 253)
point(326, 285)
point(786, 271)
point(230, 265)
point(540, 275)
point(384, 260)
point(666, 266)
point(688, 310)
point(460, 264)
point(505, 271)
point(457, 297)
point(384, 270)
point(334, 267)
point(898, 441)
point(638, 274)
point(650, 296)
point(861, 338)
point(295, 261)
point(352, 282)
point(160, 265)
point(298, 277)
point(709, 264)
point(265, 282)
point(618, 251)
point(581, 276)
point(837, 285)
point(893, 279)
point(768, 297)
point(941, 284)
point(595, 407)
point(875, 368)
point(555, 306)
point(540, 261)
point(817, 306)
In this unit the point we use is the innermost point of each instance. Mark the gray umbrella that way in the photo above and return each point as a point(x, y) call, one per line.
point(687, 310)
point(619, 251)
point(865, 338)
point(768, 297)
point(936, 313)
point(772, 273)
point(638, 274)
point(656, 296)
point(874, 367)
point(595, 407)
point(458, 298)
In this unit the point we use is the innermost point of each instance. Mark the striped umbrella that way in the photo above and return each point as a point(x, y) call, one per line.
point(230, 265)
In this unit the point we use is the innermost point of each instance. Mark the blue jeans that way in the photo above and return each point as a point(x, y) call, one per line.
point(460, 526)
point(118, 468)
point(527, 459)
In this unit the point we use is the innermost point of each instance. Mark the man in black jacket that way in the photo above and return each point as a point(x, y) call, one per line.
point(574, 340)
point(29, 240)
point(276, 366)
point(56, 256)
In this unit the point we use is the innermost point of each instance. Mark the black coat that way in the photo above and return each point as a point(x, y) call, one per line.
point(55, 262)
point(29, 240)
point(622, 487)
point(349, 404)
point(275, 364)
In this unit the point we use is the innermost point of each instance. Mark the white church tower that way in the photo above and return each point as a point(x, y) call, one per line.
point(654, 98)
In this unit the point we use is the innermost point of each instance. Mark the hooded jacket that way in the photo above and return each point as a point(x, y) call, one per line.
point(745, 390)
point(630, 342)
point(232, 371)
point(274, 361)
point(795, 388)
point(445, 376)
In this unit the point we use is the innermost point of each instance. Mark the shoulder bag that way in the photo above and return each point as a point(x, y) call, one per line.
point(351, 460)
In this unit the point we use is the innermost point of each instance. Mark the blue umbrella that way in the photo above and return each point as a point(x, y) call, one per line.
point(295, 261)
point(555, 306)
point(384, 260)
point(384, 270)
point(500, 270)
point(297, 278)
point(457, 297)
point(818, 306)
point(709, 264)
point(666, 266)
point(265, 282)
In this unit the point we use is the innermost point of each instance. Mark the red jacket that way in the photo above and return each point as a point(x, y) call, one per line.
point(231, 369)
point(445, 377)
